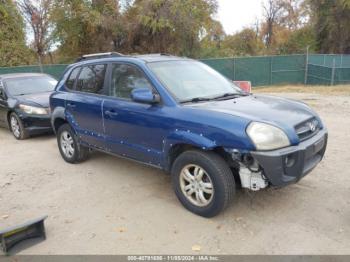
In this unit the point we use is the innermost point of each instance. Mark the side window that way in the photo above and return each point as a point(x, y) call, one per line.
point(71, 79)
point(91, 79)
point(125, 78)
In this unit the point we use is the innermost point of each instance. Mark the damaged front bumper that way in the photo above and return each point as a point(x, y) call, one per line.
point(36, 124)
point(288, 165)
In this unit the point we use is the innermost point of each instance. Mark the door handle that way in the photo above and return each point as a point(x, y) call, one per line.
point(111, 113)
point(71, 105)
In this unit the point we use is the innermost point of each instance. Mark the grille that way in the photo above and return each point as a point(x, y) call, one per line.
point(308, 129)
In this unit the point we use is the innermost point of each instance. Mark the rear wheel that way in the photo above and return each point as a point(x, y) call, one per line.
point(203, 182)
point(17, 128)
point(68, 144)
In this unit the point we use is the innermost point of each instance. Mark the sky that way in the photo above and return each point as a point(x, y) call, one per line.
point(236, 14)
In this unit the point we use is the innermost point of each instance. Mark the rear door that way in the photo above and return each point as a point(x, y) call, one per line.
point(84, 104)
point(132, 129)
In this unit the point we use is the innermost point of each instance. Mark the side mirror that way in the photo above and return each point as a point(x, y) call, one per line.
point(144, 95)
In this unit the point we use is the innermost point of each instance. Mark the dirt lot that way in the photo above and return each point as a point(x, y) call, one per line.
point(112, 206)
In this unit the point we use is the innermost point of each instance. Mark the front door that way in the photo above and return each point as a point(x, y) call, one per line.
point(132, 129)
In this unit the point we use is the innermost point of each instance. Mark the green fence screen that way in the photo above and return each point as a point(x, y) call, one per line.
point(261, 71)
point(294, 69)
point(264, 70)
point(54, 70)
point(328, 69)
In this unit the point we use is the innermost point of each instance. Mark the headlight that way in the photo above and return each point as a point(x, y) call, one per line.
point(32, 110)
point(267, 137)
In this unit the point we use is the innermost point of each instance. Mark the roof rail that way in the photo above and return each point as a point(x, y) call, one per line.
point(98, 55)
point(154, 54)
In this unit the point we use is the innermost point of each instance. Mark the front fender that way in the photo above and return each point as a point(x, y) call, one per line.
point(188, 138)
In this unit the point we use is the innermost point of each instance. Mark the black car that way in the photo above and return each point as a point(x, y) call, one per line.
point(24, 103)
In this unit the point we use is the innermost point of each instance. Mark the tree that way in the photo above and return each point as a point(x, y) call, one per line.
point(287, 26)
point(110, 30)
point(215, 33)
point(168, 26)
point(82, 26)
point(346, 3)
point(331, 23)
point(272, 11)
point(211, 43)
point(13, 50)
point(245, 42)
point(37, 15)
point(298, 40)
point(294, 13)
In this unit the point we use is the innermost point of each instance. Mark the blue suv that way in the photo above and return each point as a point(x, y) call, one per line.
point(182, 116)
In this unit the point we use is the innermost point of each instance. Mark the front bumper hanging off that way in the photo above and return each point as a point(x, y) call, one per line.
point(288, 165)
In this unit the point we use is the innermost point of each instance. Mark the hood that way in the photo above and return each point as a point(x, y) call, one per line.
point(40, 99)
point(279, 111)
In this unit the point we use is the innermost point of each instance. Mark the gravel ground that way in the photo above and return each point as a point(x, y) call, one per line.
point(112, 206)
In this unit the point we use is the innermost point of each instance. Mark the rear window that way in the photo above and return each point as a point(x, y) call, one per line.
point(30, 85)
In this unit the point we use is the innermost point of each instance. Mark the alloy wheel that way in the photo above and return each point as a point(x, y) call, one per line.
point(196, 185)
point(67, 144)
point(15, 127)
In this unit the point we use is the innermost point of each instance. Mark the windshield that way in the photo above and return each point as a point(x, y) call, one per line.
point(30, 85)
point(189, 80)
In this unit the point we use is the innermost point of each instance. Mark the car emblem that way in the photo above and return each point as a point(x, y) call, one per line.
point(313, 126)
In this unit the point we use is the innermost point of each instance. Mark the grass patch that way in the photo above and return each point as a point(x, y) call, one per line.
point(327, 90)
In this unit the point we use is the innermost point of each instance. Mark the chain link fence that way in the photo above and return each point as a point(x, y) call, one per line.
point(328, 69)
point(261, 71)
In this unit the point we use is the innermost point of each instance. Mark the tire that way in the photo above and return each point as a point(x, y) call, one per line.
point(17, 128)
point(213, 170)
point(69, 146)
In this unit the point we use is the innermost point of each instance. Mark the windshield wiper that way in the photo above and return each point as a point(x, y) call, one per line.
point(204, 99)
point(196, 100)
point(229, 96)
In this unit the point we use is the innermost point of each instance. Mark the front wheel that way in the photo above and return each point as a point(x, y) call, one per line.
point(203, 182)
point(17, 128)
point(68, 144)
